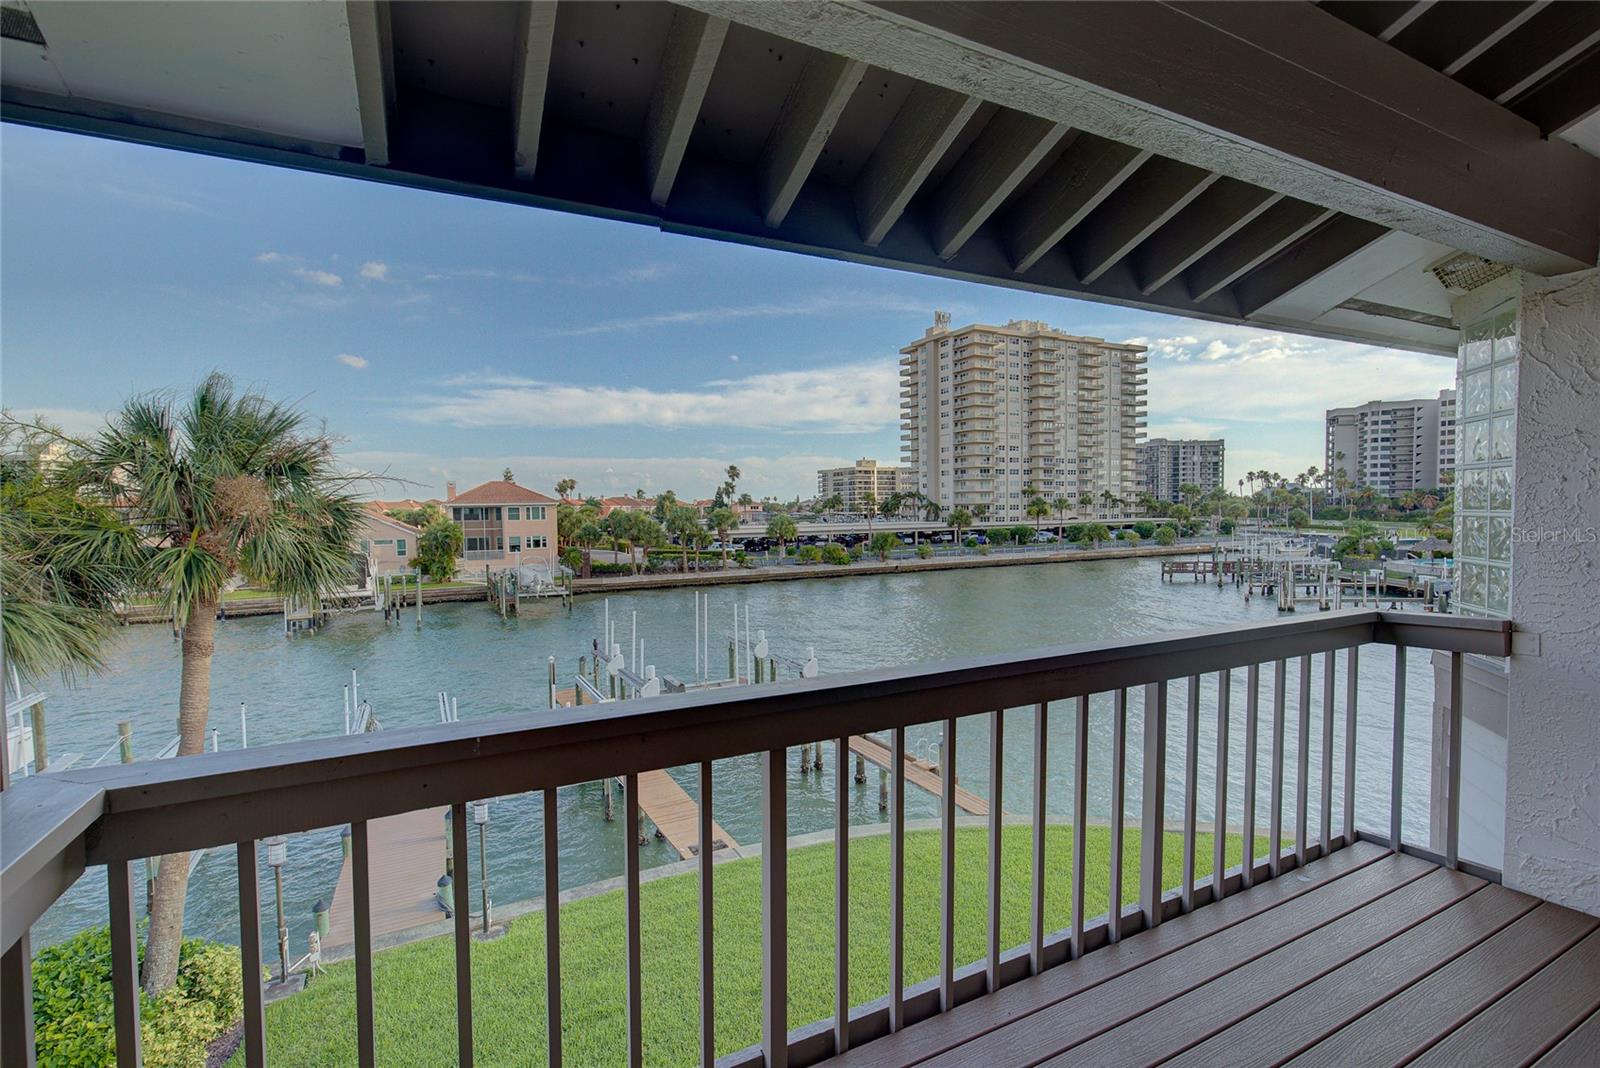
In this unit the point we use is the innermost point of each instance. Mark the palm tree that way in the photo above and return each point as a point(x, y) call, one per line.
point(722, 520)
point(586, 538)
point(1085, 500)
point(683, 524)
point(64, 559)
point(506, 476)
point(931, 509)
point(870, 505)
point(781, 528)
point(220, 485)
point(733, 474)
point(564, 487)
point(1038, 508)
point(960, 519)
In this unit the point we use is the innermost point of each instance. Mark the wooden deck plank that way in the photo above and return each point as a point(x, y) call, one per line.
point(407, 858)
point(1086, 1015)
point(1167, 1030)
point(1307, 1015)
point(1530, 1019)
point(1577, 1050)
point(1021, 999)
point(676, 814)
point(919, 773)
point(1418, 1016)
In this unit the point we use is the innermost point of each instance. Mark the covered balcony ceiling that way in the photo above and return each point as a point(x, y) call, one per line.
point(1287, 164)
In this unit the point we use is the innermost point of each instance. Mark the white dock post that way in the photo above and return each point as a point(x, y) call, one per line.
point(696, 634)
point(634, 642)
point(244, 737)
point(347, 710)
point(355, 690)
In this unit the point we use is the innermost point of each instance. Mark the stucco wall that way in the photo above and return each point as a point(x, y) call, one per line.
point(1552, 841)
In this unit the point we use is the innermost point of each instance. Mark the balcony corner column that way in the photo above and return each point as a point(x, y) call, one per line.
point(1552, 819)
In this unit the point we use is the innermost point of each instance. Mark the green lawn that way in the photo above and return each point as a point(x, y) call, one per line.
point(414, 984)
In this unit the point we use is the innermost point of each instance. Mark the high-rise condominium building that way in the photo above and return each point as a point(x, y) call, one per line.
point(1166, 464)
point(853, 484)
point(1392, 446)
point(992, 415)
point(1447, 435)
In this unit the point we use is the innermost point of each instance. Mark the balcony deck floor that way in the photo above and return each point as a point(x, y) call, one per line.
point(1361, 958)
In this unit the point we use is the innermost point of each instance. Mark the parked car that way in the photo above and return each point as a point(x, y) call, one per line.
point(1044, 535)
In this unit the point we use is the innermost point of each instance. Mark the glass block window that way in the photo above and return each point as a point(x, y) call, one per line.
point(1486, 384)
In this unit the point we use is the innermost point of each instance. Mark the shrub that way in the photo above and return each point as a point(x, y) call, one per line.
point(983, 550)
point(857, 551)
point(73, 1017)
point(741, 557)
point(834, 553)
point(1145, 529)
point(1166, 534)
point(1130, 538)
point(924, 551)
point(811, 554)
point(1073, 532)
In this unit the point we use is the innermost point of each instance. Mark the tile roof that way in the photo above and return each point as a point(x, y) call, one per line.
point(500, 492)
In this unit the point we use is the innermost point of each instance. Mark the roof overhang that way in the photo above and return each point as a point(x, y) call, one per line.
point(1282, 164)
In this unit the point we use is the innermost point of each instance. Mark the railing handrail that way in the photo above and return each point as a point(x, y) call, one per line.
point(52, 826)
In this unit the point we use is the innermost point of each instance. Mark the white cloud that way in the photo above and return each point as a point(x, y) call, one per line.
point(822, 304)
point(351, 360)
point(375, 271)
point(855, 398)
point(321, 278)
point(733, 357)
point(270, 257)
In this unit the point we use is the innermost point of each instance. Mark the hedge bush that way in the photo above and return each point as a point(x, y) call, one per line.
point(834, 553)
point(74, 1025)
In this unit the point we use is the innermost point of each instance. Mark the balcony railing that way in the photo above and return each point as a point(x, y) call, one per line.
point(55, 825)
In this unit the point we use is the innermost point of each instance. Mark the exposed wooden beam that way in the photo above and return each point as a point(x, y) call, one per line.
point(1338, 239)
point(999, 158)
point(1089, 170)
point(1269, 234)
point(372, 52)
point(1213, 217)
point(1374, 16)
point(1553, 37)
point(1566, 99)
point(536, 29)
point(1154, 194)
point(1468, 31)
point(916, 139)
point(1404, 19)
point(1389, 139)
point(812, 107)
point(693, 44)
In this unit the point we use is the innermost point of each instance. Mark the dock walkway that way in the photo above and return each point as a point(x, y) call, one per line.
point(676, 815)
point(406, 858)
point(918, 772)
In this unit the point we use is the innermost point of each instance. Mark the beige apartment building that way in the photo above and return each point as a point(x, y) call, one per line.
point(1392, 446)
point(1168, 464)
point(389, 545)
point(504, 524)
point(865, 477)
point(993, 414)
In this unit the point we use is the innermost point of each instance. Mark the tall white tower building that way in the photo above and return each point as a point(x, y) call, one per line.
point(992, 415)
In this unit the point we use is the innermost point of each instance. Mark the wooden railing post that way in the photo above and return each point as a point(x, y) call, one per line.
point(361, 900)
point(774, 910)
point(1219, 822)
point(1397, 759)
point(552, 926)
point(1153, 817)
point(841, 898)
point(463, 936)
point(1119, 804)
point(897, 881)
point(947, 870)
point(255, 1046)
point(1275, 817)
point(1452, 801)
point(997, 728)
point(1252, 758)
point(124, 964)
point(1080, 828)
point(1191, 789)
point(1302, 779)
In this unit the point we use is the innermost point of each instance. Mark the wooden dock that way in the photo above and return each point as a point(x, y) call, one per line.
point(918, 772)
point(676, 815)
point(406, 858)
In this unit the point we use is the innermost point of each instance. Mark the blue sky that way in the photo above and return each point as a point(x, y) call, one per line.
point(443, 337)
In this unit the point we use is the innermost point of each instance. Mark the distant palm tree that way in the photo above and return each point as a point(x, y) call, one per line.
point(869, 505)
point(1086, 500)
point(506, 476)
point(221, 485)
point(1061, 506)
point(722, 520)
point(781, 529)
point(565, 486)
point(960, 519)
point(1038, 508)
point(683, 523)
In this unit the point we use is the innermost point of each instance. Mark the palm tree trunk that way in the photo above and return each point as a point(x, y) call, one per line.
point(172, 881)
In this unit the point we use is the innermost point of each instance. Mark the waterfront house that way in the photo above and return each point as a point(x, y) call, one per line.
point(389, 545)
point(1413, 175)
point(505, 525)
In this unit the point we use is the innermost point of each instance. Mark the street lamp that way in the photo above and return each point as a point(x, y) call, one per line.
point(480, 816)
point(277, 853)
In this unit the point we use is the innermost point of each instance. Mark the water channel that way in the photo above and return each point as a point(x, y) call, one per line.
point(292, 687)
